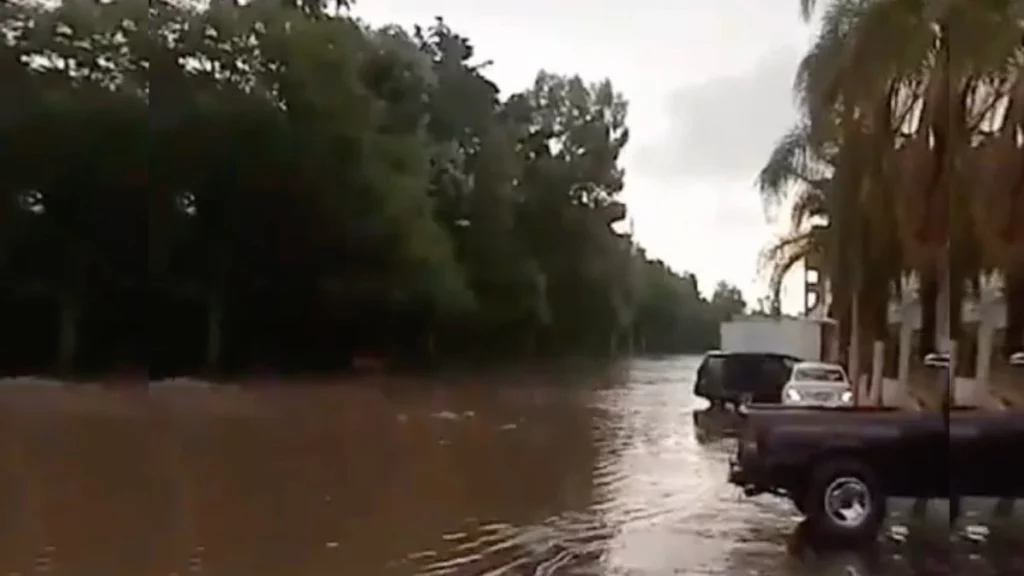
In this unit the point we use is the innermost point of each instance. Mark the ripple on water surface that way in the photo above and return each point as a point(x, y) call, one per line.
point(655, 502)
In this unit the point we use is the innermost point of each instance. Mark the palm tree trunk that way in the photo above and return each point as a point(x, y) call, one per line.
point(983, 353)
point(853, 359)
point(929, 305)
point(876, 386)
point(906, 338)
point(842, 336)
point(1014, 298)
point(214, 330)
point(69, 303)
point(69, 306)
point(944, 314)
point(955, 308)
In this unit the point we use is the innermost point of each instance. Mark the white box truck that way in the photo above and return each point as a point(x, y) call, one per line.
point(790, 335)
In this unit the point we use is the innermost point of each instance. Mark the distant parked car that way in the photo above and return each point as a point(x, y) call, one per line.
point(817, 384)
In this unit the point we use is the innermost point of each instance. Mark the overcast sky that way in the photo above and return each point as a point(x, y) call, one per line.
point(709, 85)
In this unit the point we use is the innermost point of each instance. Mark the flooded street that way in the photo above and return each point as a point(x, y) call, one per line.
point(604, 475)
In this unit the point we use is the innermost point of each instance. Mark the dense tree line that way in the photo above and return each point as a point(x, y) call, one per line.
point(228, 186)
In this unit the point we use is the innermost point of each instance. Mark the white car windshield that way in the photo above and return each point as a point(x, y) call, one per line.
point(818, 374)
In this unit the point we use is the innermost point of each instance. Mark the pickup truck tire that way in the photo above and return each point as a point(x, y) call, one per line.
point(844, 502)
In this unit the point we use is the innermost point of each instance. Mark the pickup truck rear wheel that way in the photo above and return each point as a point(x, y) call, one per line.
point(844, 502)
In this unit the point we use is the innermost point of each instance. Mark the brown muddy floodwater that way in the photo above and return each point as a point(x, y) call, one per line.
point(527, 475)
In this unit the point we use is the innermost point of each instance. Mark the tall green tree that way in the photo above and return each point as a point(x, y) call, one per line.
point(208, 187)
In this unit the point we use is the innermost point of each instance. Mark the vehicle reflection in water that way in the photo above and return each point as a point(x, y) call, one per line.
point(538, 474)
point(712, 425)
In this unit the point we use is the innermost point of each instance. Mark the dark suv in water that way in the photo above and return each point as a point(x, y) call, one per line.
point(737, 377)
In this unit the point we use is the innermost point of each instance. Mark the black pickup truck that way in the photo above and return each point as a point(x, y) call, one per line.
point(840, 465)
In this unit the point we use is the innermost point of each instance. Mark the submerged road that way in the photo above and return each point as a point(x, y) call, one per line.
point(616, 474)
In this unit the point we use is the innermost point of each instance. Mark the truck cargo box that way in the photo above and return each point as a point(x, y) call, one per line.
point(792, 336)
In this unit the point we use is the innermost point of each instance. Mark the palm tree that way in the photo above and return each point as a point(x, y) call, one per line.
point(874, 89)
point(988, 186)
point(800, 172)
point(833, 167)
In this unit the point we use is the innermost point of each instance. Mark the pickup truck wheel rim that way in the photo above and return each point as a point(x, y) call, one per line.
point(848, 501)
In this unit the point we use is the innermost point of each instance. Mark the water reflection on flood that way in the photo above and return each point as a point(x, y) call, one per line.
point(607, 474)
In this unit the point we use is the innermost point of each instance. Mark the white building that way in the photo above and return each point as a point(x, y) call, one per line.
point(817, 298)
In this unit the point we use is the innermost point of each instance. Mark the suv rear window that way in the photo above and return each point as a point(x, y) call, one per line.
point(731, 376)
point(777, 368)
point(712, 367)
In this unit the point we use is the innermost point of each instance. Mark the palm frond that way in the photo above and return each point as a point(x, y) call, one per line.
point(809, 207)
point(778, 259)
point(807, 9)
point(795, 164)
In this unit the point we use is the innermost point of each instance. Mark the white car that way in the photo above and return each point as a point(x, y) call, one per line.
point(817, 384)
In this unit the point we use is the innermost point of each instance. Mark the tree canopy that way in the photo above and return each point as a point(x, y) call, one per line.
point(277, 183)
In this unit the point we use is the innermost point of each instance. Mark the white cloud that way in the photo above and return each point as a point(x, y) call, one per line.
point(724, 128)
point(705, 103)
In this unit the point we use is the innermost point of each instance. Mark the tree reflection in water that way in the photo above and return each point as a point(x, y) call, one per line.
point(78, 483)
